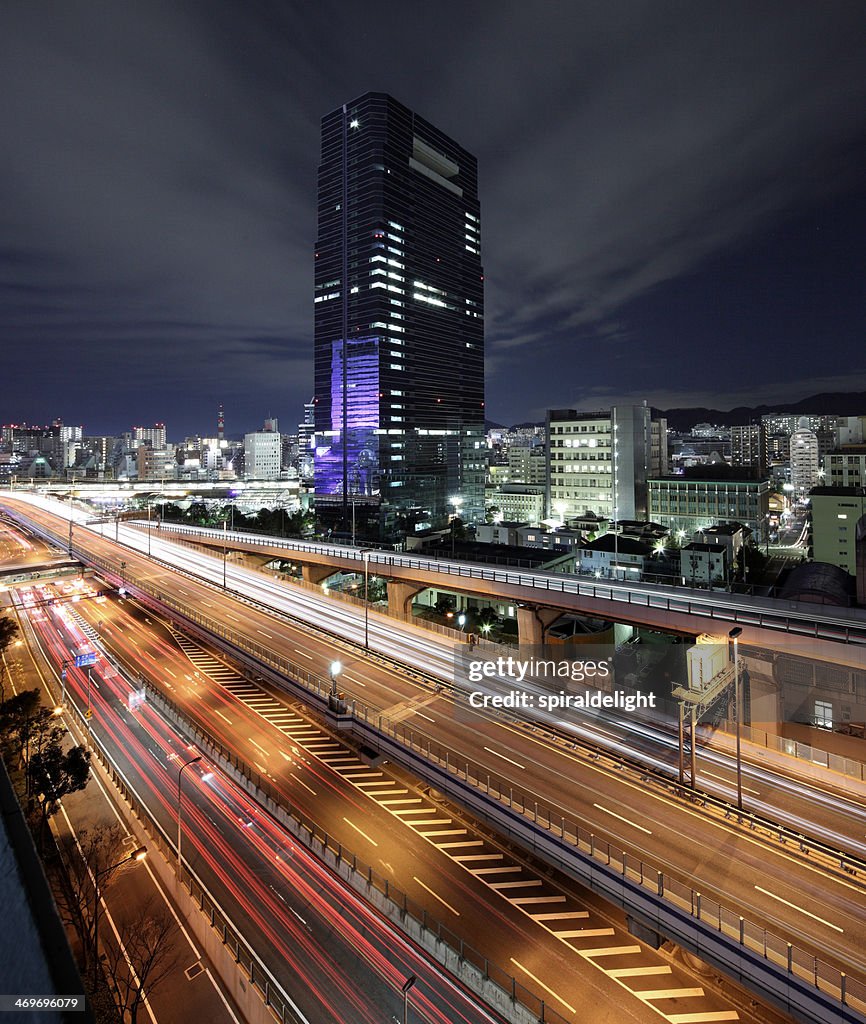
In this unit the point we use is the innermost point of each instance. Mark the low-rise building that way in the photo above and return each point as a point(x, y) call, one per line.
point(835, 513)
point(615, 557)
point(704, 564)
point(692, 502)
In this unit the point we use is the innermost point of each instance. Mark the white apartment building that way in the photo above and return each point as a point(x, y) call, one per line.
point(262, 455)
point(600, 462)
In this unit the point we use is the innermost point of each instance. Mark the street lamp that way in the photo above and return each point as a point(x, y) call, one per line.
point(410, 982)
point(136, 855)
point(734, 634)
point(335, 669)
point(225, 552)
point(366, 600)
point(461, 621)
point(186, 764)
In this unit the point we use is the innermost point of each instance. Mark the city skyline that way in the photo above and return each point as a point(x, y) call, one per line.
point(672, 201)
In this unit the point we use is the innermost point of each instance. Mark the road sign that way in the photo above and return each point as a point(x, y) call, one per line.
point(85, 659)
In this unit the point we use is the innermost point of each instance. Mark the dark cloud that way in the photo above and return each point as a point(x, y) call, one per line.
point(159, 174)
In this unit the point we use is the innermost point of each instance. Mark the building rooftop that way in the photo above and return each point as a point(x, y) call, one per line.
point(622, 545)
point(838, 492)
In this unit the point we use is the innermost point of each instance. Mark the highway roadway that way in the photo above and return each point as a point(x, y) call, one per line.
point(338, 961)
point(555, 939)
point(819, 910)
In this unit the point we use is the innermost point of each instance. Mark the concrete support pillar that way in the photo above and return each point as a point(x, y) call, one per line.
point(533, 622)
point(400, 596)
point(316, 573)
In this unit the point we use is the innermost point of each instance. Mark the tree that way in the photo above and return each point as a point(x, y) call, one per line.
point(22, 718)
point(8, 629)
point(53, 772)
point(144, 958)
point(82, 857)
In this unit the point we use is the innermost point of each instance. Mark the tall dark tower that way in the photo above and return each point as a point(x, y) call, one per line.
point(399, 320)
point(221, 424)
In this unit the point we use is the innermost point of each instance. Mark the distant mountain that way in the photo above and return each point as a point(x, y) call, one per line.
point(841, 403)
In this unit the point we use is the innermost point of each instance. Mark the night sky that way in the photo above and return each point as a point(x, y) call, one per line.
point(673, 198)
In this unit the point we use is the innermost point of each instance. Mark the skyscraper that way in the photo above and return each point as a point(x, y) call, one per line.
point(399, 321)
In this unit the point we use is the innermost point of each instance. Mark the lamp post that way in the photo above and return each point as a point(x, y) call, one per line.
point(148, 529)
point(136, 855)
point(410, 982)
point(335, 669)
point(366, 600)
point(461, 621)
point(186, 764)
point(734, 634)
point(225, 552)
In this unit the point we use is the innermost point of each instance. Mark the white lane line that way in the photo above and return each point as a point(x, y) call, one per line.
point(432, 821)
point(610, 951)
point(455, 846)
point(222, 716)
point(495, 871)
point(421, 714)
point(504, 758)
point(613, 814)
point(730, 783)
point(173, 676)
point(405, 800)
point(565, 915)
point(303, 654)
point(584, 933)
point(302, 783)
point(230, 616)
point(351, 824)
point(436, 896)
point(259, 747)
point(638, 972)
point(707, 1017)
point(794, 906)
point(538, 981)
point(520, 901)
point(263, 633)
point(676, 993)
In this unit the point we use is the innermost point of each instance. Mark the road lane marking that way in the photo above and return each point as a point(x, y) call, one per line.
point(638, 972)
point(495, 871)
point(421, 714)
point(446, 832)
point(360, 832)
point(258, 746)
point(476, 856)
point(583, 933)
point(727, 782)
point(520, 901)
point(621, 818)
point(436, 896)
point(565, 915)
point(538, 981)
point(455, 846)
point(405, 800)
point(303, 654)
point(222, 716)
point(610, 951)
point(702, 1018)
point(263, 633)
point(432, 821)
point(302, 783)
point(173, 676)
point(504, 758)
point(230, 616)
point(676, 993)
point(794, 906)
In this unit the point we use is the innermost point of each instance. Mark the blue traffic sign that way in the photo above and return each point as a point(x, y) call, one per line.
point(85, 659)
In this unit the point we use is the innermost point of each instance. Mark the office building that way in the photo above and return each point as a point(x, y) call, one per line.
point(846, 467)
point(599, 462)
point(262, 455)
point(693, 502)
point(399, 321)
point(747, 447)
point(835, 513)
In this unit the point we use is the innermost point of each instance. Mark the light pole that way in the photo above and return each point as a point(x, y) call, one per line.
point(148, 529)
point(461, 621)
point(410, 982)
point(225, 552)
point(136, 855)
point(366, 600)
point(186, 764)
point(335, 669)
point(734, 634)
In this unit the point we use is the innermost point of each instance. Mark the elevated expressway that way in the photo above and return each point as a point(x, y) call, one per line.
point(808, 902)
point(815, 632)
